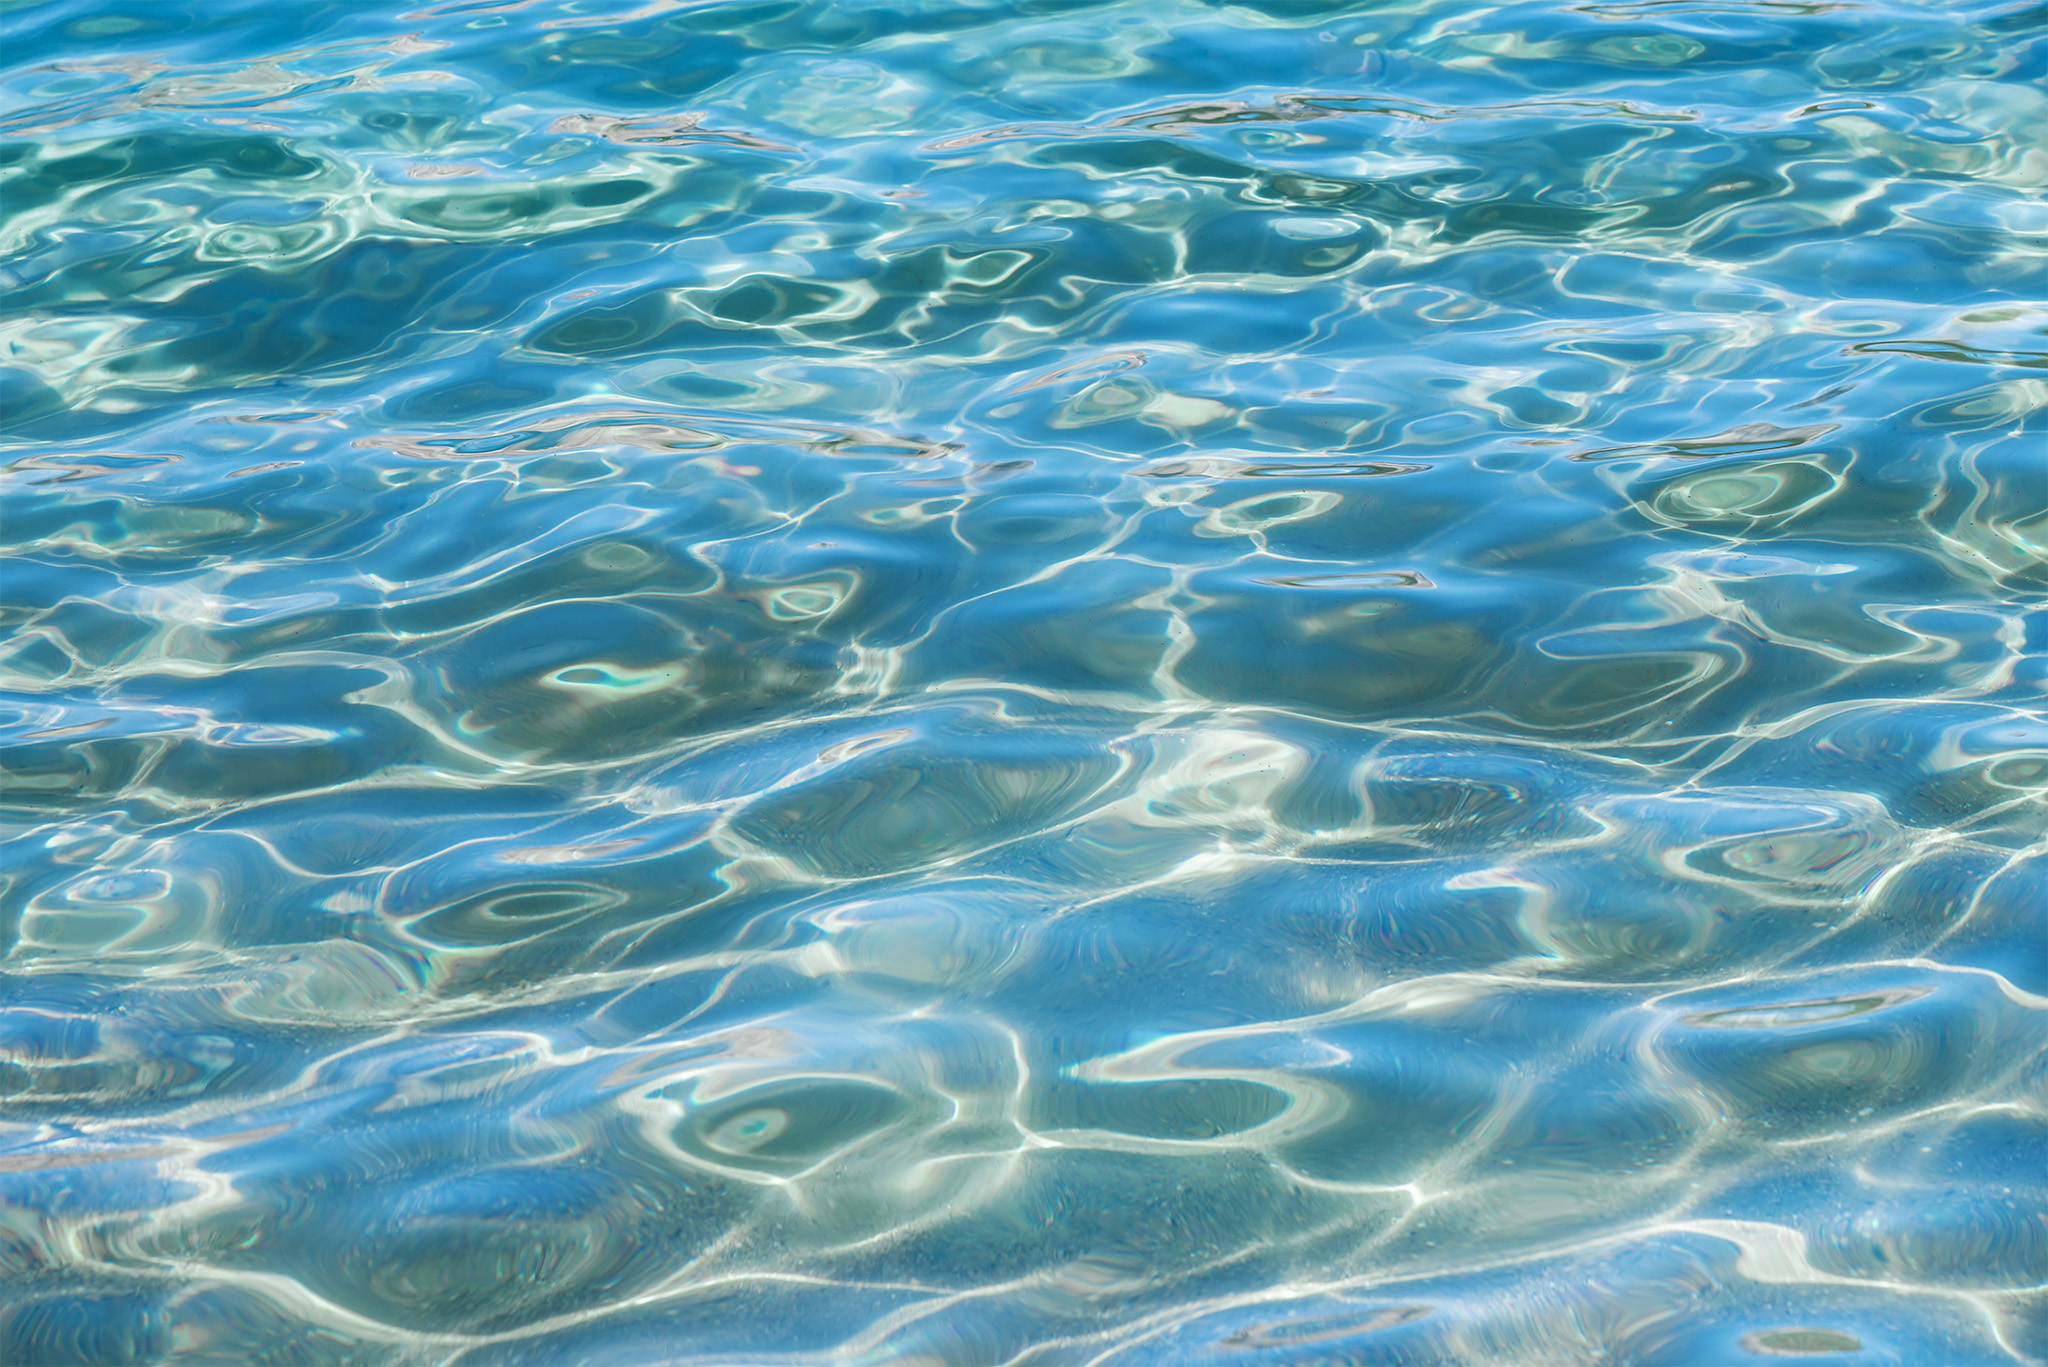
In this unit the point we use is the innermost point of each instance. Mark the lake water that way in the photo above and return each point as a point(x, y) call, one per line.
point(1043, 682)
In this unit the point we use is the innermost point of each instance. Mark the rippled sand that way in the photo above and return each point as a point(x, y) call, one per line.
point(1059, 682)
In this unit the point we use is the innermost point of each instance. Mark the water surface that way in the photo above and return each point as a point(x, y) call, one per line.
point(1031, 683)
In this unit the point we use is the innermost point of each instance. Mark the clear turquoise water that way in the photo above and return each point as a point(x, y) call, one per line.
point(1051, 682)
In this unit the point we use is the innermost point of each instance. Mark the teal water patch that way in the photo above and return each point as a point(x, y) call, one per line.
point(1034, 682)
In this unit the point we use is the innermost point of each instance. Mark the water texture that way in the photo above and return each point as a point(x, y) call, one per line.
point(1039, 682)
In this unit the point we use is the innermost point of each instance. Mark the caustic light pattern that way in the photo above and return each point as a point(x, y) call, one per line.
point(1045, 682)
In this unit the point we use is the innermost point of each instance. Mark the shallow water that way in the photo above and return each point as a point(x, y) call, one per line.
point(1025, 683)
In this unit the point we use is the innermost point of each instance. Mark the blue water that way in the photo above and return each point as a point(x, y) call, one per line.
point(1042, 682)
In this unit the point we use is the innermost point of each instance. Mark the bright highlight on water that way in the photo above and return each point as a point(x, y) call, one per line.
point(1024, 682)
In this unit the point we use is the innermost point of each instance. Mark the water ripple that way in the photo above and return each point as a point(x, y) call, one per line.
point(1103, 683)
